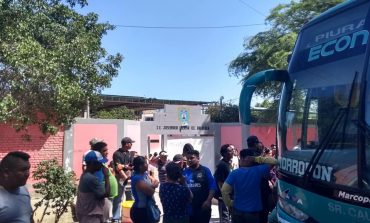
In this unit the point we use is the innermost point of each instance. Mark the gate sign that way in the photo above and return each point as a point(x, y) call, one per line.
point(184, 116)
point(178, 119)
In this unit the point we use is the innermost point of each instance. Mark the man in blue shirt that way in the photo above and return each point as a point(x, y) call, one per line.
point(91, 193)
point(202, 185)
point(257, 147)
point(245, 182)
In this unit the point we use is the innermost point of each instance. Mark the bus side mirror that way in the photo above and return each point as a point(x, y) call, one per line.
point(251, 84)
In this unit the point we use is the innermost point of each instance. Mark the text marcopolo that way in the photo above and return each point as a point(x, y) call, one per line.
point(353, 197)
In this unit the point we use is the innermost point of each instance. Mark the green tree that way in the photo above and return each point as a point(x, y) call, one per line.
point(51, 62)
point(229, 113)
point(116, 113)
point(265, 111)
point(264, 104)
point(57, 188)
point(270, 49)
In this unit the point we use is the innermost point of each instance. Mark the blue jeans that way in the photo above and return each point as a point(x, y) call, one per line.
point(117, 206)
point(225, 216)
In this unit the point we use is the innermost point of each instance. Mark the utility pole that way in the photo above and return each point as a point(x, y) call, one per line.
point(221, 98)
point(87, 111)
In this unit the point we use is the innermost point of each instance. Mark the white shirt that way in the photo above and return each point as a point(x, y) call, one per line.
point(235, 162)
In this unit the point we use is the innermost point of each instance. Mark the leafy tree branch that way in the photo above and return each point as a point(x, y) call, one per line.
point(51, 62)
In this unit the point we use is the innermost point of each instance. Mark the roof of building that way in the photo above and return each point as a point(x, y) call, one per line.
point(143, 103)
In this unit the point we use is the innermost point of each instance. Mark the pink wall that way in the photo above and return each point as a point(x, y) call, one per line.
point(44, 147)
point(232, 135)
point(292, 135)
point(83, 133)
point(265, 133)
point(40, 147)
point(312, 134)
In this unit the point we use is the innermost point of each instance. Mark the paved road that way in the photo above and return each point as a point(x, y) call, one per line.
point(214, 216)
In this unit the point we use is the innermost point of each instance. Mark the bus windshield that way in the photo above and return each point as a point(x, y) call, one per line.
point(323, 114)
point(319, 134)
point(323, 129)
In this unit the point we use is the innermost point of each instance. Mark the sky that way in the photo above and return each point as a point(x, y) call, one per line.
point(179, 64)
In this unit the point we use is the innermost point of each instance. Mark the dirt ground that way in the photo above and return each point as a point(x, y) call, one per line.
point(67, 217)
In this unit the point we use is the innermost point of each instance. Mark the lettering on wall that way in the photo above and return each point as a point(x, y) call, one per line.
point(182, 128)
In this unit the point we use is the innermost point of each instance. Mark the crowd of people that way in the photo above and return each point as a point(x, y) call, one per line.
point(242, 183)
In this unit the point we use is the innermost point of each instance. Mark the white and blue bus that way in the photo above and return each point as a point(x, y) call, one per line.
point(325, 176)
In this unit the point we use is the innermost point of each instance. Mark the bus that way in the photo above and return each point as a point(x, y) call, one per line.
point(323, 120)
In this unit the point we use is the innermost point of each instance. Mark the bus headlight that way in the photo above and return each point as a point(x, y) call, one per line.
point(292, 211)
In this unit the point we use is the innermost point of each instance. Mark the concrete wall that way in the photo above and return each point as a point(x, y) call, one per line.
point(229, 133)
point(110, 131)
point(68, 146)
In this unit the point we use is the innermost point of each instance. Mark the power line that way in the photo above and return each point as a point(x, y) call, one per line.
point(254, 9)
point(188, 27)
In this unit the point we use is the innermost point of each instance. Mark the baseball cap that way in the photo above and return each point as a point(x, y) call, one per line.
point(127, 140)
point(163, 153)
point(94, 140)
point(252, 140)
point(177, 158)
point(95, 156)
